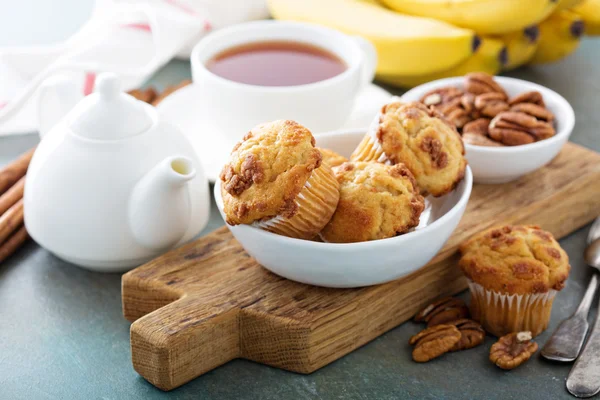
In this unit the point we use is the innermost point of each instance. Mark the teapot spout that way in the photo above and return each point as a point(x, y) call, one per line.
point(159, 206)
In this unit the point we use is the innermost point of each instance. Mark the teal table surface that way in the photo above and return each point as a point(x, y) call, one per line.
point(62, 334)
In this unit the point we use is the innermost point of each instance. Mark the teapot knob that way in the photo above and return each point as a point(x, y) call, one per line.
point(108, 85)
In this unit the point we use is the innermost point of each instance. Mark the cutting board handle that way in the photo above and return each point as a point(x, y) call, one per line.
point(183, 340)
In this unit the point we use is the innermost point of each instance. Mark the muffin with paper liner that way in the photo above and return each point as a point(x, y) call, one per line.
point(377, 201)
point(514, 274)
point(276, 180)
point(420, 138)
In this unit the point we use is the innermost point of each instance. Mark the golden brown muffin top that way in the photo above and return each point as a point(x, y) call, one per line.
point(425, 142)
point(332, 158)
point(267, 170)
point(520, 259)
point(377, 201)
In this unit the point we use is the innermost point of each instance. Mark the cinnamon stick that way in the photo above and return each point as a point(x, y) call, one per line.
point(11, 220)
point(12, 195)
point(13, 243)
point(14, 171)
point(146, 95)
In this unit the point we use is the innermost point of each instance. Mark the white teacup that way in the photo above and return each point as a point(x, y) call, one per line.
point(234, 108)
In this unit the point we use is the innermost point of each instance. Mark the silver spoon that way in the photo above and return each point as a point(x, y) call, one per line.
point(584, 378)
point(567, 340)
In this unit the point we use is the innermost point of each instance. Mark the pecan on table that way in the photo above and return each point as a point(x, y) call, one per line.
point(442, 311)
point(472, 334)
point(533, 97)
point(433, 342)
point(491, 104)
point(515, 128)
point(480, 82)
point(512, 350)
point(534, 110)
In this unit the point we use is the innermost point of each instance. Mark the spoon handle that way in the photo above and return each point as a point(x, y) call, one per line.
point(584, 378)
point(567, 340)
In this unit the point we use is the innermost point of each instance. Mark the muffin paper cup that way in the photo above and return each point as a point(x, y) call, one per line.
point(369, 149)
point(316, 202)
point(500, 313)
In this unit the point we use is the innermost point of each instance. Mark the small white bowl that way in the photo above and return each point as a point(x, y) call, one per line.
point(505, 164)
point(346, 265)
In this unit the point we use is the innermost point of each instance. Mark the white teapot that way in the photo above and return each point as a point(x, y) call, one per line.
point(110, 186)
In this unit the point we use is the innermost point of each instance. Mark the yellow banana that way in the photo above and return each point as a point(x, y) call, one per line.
point(489, 58)
point(564, 4)
point(405, 45)
point(559, 36)
point(589, 11)
point(494, 17)
point(520, 46)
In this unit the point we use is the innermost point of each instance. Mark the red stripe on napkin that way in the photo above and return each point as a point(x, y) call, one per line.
point(88, 85)
point(140, 26)
point(3, 104)
point(183, 7)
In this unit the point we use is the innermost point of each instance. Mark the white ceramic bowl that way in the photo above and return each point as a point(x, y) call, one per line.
point(505, 164)
point(355, 264)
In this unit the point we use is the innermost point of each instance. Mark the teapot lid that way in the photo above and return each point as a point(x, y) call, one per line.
point(109, 113)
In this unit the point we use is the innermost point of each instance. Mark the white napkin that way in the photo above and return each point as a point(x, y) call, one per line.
point(133, 38)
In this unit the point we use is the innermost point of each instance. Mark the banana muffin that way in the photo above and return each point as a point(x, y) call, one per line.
point(377, 201)
point(276, 180)
point(332, 158)
point(514, 273)
point(422, 139)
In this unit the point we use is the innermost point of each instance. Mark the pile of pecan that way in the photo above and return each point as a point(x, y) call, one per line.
point(485, 115)
point(450, 329)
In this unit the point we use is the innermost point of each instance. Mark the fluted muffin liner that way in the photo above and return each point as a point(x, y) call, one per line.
point(501, 313)
point(316, 202)
point(369, 149)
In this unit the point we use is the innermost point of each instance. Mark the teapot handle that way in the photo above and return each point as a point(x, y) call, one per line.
point(56, 97)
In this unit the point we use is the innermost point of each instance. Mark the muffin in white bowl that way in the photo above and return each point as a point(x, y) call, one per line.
point(346, 265)
point(494, 164)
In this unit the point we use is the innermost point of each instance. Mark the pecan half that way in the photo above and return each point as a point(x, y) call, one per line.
point(534, 110)
point(512, 350)
point(468, 103)
point(457, 116)
point(447, 101)
point(480, 140)
point(480, 82)
point(433, 342)
point(472, 334)
point(534, 97)
point(515, 128)
point(440, 96)
point(491, 104)
point(479, 127)
point(442, 311)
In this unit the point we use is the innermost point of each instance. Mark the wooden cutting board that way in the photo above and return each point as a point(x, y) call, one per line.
point(209, 302)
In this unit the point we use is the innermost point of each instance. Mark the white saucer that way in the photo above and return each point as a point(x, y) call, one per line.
point(213, 149)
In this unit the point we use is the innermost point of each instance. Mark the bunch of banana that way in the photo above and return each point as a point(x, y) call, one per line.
point(589, 11)
point(520, 46)
point(560, 35)
point(421, 40)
